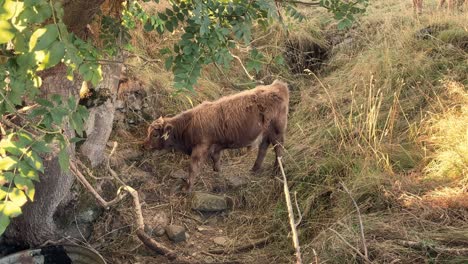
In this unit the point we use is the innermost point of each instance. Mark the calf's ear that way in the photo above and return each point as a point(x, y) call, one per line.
point(167, 130)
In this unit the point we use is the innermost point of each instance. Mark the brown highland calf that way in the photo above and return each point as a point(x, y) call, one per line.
point(257, 116)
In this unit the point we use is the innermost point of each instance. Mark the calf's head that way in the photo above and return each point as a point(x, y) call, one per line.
point(159, 134)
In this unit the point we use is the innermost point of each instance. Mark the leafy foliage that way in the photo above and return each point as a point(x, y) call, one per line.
point(212, 28)
point(34, 39)
point(345, 11)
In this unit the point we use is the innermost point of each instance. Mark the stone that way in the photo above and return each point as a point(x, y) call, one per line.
point(222, 241)
point(235, 181)
point(176, 233)
point(179, 174)
point(205, 202)
point(159, 223)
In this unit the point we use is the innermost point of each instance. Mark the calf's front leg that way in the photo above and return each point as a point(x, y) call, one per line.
point(197, 158)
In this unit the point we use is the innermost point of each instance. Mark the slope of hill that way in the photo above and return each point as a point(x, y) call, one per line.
point(380, 119)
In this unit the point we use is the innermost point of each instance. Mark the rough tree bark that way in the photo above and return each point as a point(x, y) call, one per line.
point(99, 124)
point(36, 225)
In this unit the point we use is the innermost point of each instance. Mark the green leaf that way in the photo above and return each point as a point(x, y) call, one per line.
point(34, 161)
point(26, 171)
point(83, 111)
point(17, 197)
point(58, 114)
point(4, 222)
point(169, 26)
point(26, 185)
point(9, 8)
point(42, 38)
point(148, 26)
point(168, 62)
point(40, 146)
point(71, 102)
point(64, 160)
point(8, 163)
point(7, 31)
point(76, 139)
point(44, 102)
point(52, 56)
point(77, 123)
point(6, 177)
point(9, 209)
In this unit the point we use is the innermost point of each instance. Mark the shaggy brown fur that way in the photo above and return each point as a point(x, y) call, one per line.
point(417, 6)
point(240, 120)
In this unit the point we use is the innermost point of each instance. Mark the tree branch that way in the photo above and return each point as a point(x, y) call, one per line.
point(255, 244)
point(351, 246)
point(301, 3)
point(292, 221)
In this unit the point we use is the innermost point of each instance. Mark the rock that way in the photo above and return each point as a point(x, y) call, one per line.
point(179, 174)
point(222, 241)
point(205, 202)
point(235, 181)
point(176, 233)
point(159, 223)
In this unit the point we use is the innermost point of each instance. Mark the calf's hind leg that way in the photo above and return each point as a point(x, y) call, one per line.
point(215, 155)
point(262, 149)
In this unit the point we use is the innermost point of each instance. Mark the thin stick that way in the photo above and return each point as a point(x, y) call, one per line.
point(91, 189)
point(254, 244)
point(439, 249)
point(299, 220)
point(291, 214)
point(243, 67)
point(361, 226)
point(351, 246)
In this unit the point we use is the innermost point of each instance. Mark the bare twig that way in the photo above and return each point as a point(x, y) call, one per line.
point(245, 247)
point(351, 246)
point(299, 220)
point(147, 240)
point(291, 214)
point(91, 189)
point(243, 67)
point(302, 3)
point(361, 226)
point(438, 249)
point(315, 256)
point(90, 174)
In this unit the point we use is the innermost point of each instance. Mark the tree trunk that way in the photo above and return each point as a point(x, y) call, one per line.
point(36, 225)
point(99, 125)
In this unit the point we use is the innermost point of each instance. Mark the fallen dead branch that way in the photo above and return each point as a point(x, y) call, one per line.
point(246, 247)
point(366, 259)
point(439, 249)
point(361, 226)
point(292, 221)
point(147, 240)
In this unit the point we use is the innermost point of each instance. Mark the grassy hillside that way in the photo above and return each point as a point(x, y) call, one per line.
point(383, 112)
